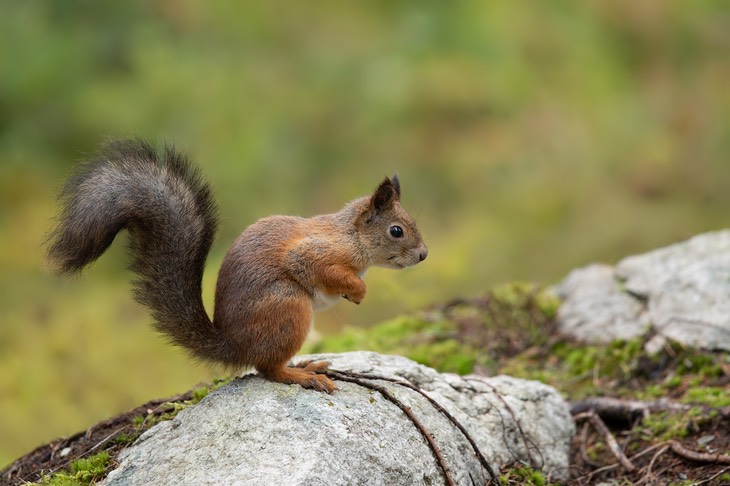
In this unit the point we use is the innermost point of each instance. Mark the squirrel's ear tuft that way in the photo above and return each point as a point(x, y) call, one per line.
point(396, 185)
point(384, 196)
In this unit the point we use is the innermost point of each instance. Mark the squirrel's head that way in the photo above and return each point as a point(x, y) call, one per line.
point(387, 230)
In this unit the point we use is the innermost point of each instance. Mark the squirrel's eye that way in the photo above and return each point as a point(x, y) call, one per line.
point(396, 232)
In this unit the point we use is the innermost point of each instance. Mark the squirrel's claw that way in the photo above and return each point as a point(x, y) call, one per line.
point(347, 297)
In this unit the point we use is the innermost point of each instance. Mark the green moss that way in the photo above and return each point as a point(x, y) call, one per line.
point(521, 312)
point(713, 396)
point(383, 337)
point(548, 303)
point(521, 296)
point(580, 370)
point(651, 392)
point(125, 438)
point(81, 472)
point(623, 368)
point(513, 294)
point(449, 356)
point(664, 426)
point(699, 364)
point(200, 393)
point(595, 451)
point(695, 381)
point(668, 425)
point(580, 361)
point(59, 479)
point(203, 391)
point(523, 368)
point(672, 381)
point(523, 475)
point(91, 467)
point(429, 342)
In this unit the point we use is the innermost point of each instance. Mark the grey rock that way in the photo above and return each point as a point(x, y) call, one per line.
point(596, 308)
point(252, 431)
point(682, 291)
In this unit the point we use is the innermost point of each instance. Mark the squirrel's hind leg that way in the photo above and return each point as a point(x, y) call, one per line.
point(287, 323)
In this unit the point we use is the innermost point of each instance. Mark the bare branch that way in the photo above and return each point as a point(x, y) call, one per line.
point(608, 436)
point(681, 451)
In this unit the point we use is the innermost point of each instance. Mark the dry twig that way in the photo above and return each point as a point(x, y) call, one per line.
point(648, 475)
point(682, 451)
point(714, 476)
point(609, 408)
point(608, 436)
point(583, 453)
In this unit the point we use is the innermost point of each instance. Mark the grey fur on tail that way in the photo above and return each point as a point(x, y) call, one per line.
point(170, 214)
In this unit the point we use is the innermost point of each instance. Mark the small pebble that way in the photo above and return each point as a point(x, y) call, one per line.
point(65, 451)
point(705, 439)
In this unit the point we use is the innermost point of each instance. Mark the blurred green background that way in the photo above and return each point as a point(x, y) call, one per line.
point(530, 138)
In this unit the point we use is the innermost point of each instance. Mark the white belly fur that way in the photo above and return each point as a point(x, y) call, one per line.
point(324, 301)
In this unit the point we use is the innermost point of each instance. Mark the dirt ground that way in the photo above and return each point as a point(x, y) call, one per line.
point(104, 436)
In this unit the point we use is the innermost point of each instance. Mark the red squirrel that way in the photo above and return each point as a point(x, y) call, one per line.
point(276, 274)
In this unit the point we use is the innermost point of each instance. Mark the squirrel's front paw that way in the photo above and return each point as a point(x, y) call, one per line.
point(357, 294)
point(347, 297)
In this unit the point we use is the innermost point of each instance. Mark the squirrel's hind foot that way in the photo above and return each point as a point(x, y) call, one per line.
point(313, 366)
point(304, 377)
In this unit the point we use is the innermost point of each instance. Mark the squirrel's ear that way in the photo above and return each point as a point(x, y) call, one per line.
point(384, 196)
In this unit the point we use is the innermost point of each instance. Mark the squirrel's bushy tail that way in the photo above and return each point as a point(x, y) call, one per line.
point(171, 217)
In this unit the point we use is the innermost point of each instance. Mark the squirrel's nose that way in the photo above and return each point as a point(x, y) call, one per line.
point(422, 254)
